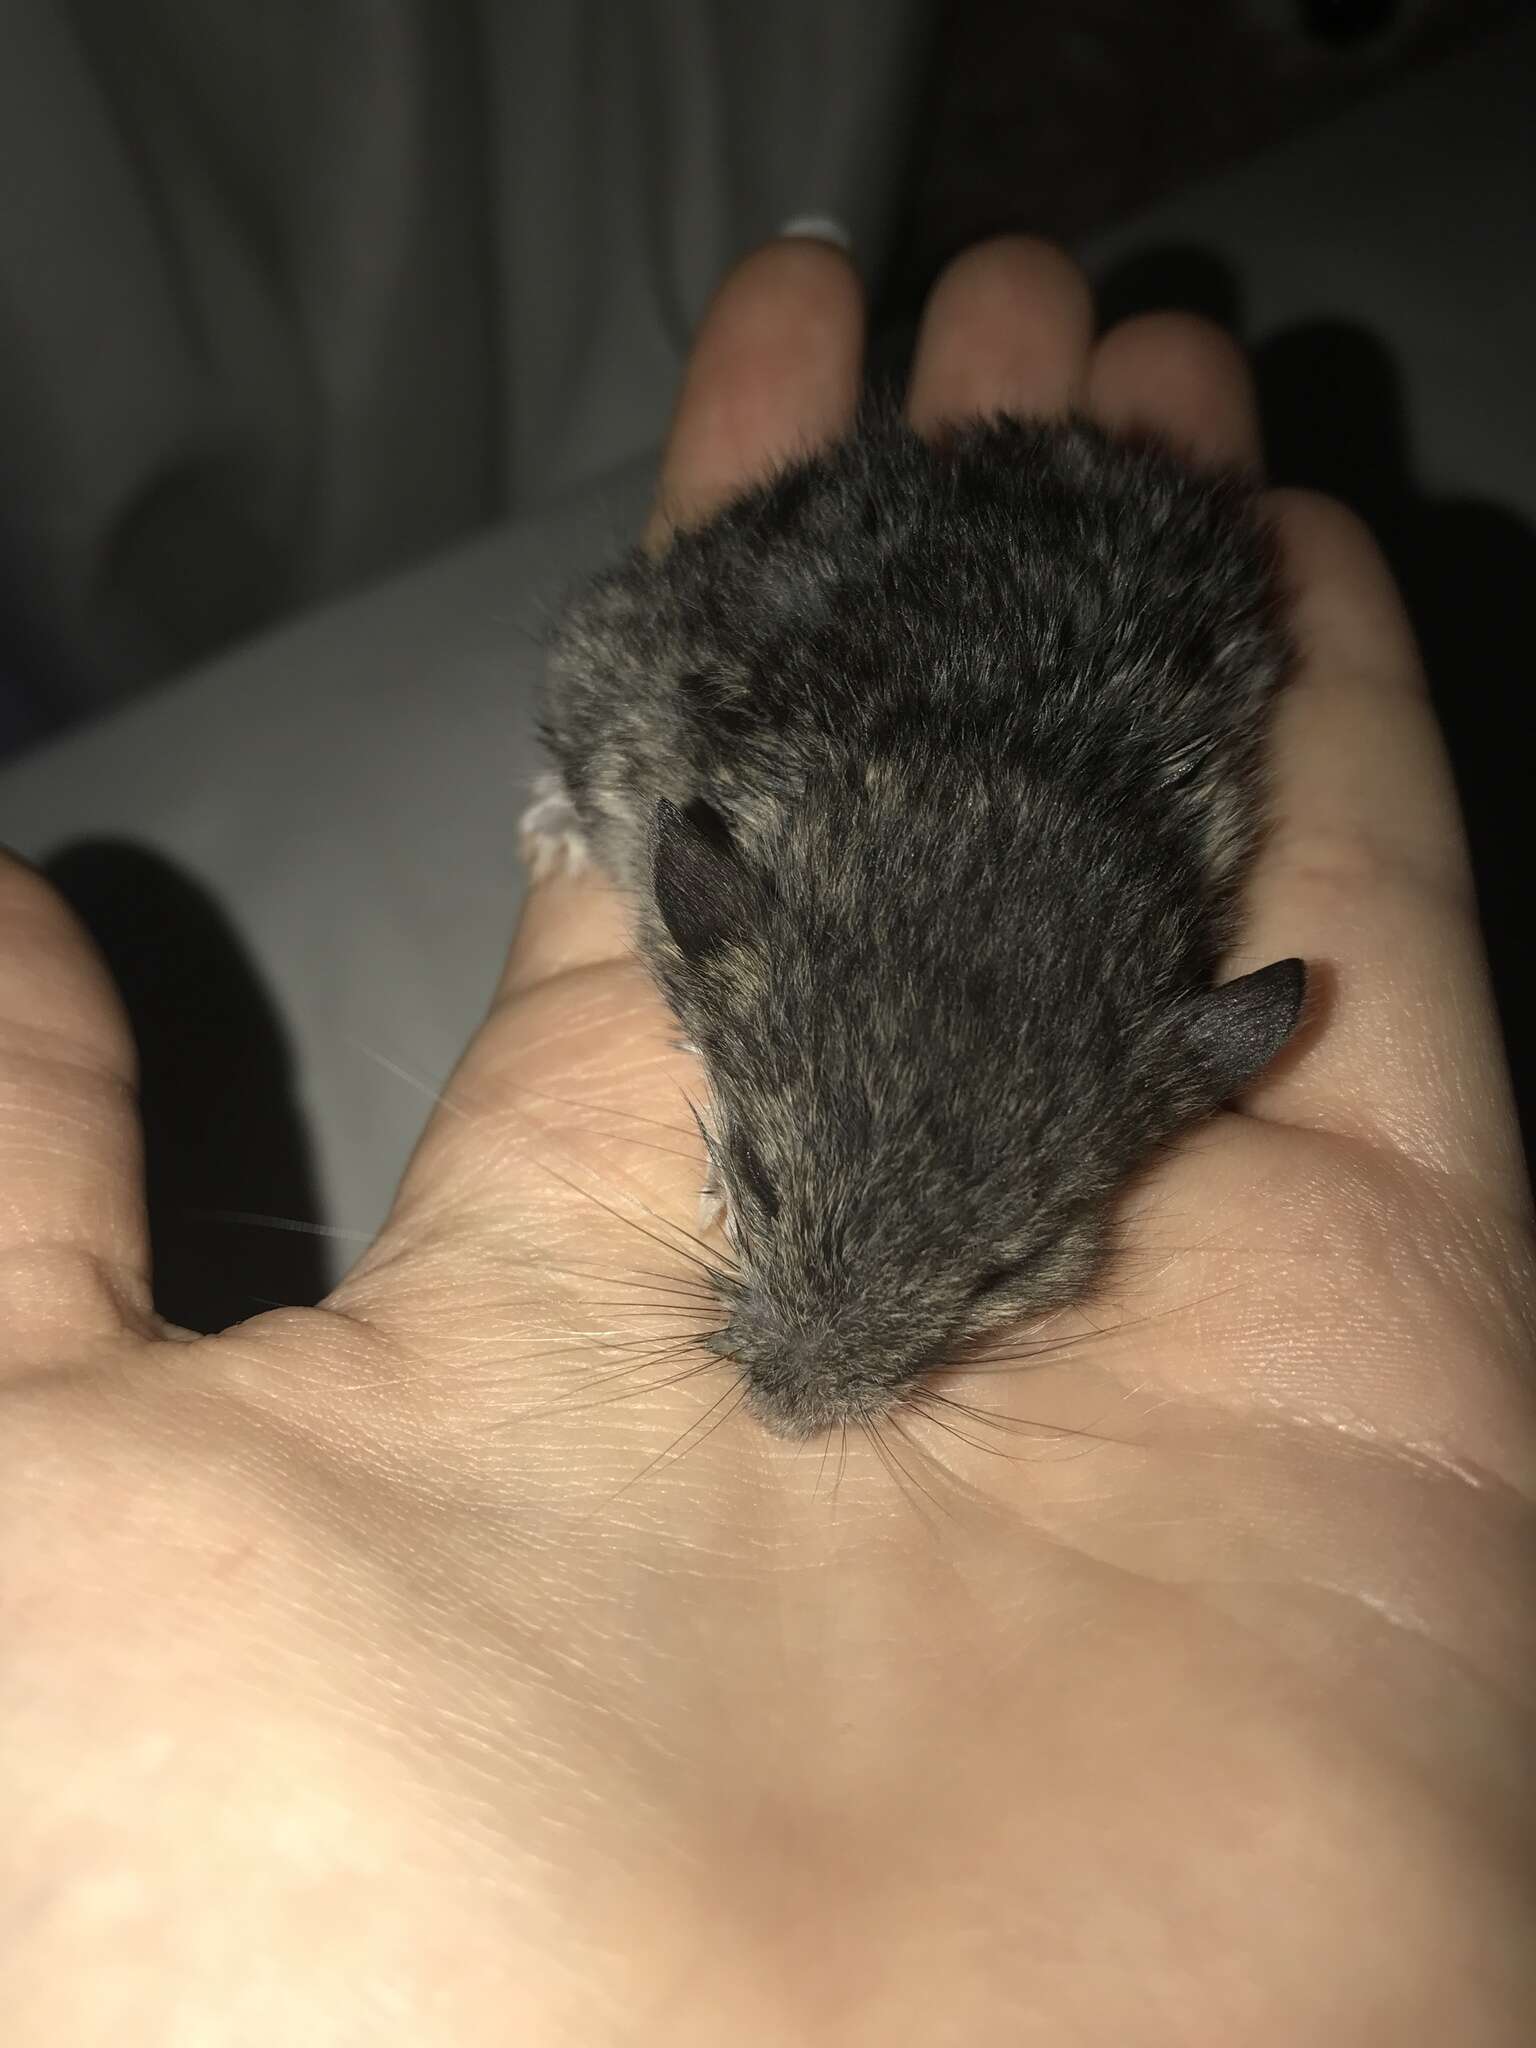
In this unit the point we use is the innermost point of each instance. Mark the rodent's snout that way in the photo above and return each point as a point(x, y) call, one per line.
point(804, 1381)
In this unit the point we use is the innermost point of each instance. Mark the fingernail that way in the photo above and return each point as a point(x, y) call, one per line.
point(818, 227)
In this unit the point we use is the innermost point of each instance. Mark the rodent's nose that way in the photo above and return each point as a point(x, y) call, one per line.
point(817, 1345)
point(802, 1382)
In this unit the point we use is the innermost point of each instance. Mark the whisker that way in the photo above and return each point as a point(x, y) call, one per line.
point(679, 1280)
point(950, 1429)
point(607, 1109)
point(437, 1096)
point(619, 1217)
point(649, 1339)
point(821, 1469)
point(568, 1406)
point(705, 1263)
point(655, 1308)
point(1022, 1425)
point(878, 1448)
point(636, 1350)
point(680, 1446)
point(911, 1475)
point(1100, 1336)
point(573, 1344)
point(886, 1457)
point(293, 1223)
point(961, 1435)
point(655, 1354)
point(1029, 1354)
point(737, 1404)
point(842, 1462)
point(662, 1355)
point(676, 1379)
point(650, 1145)
point(681, 1229)
point(411, 1080)
point(681, 1284)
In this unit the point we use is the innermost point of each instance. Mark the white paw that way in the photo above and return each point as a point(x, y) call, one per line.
point(550, 833)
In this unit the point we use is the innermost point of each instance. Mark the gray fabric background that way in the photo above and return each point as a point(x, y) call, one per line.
point(291, 296)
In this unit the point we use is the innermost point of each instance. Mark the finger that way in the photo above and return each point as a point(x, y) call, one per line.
point(74, 1247)
point(1366, 876)
point(566, 1124)
point(774, 373)
point(1174, 375)
point(568, 923)
point(1006, 329)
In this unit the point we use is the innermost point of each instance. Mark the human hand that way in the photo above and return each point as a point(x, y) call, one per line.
point(452, 1664)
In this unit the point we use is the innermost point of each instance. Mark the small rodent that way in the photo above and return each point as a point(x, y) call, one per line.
point(933, 768)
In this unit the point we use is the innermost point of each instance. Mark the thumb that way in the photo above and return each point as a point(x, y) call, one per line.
point(74, 1240)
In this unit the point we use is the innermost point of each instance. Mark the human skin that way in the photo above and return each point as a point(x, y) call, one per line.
point(450, 1664)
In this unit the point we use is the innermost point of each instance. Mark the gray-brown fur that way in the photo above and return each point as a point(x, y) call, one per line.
point(934, 770)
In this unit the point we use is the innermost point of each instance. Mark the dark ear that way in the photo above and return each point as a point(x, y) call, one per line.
point(1239, 1027)
point(705, 896)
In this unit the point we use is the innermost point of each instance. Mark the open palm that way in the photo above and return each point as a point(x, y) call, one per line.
point(455, 1663)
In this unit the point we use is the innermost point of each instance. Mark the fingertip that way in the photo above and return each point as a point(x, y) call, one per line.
point(805, 256)
point(1324, 529)
point(1184, 378)
point(1007, 328)
point(774, 374)
point(1347, 605)
point(73, 1232)
point(54, 971)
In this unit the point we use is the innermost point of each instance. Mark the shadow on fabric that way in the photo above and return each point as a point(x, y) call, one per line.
point(224, 1137)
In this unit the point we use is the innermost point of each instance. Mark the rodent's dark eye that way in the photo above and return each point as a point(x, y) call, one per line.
point(750, 1167)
